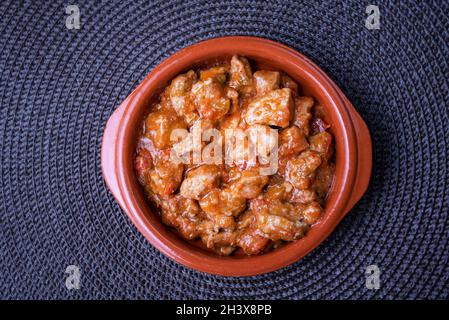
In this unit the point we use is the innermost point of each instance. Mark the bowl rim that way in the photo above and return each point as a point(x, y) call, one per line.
point(182, 253)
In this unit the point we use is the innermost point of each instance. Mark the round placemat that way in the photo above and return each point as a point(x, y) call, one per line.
point(59, 86)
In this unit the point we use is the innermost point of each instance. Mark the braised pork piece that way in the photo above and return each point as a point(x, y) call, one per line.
point(231, 205)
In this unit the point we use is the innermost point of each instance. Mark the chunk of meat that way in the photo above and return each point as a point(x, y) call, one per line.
point(287, 82)
point(179, 93)
point(322, 143)
point(224, 241)
point(210, 99)
point(200, 181)
point(249, 183)
point(303, 114)
point(240, 73)
point(292, 141)
point(249, 238)
point(165, 178)
point(262, 148)
point(222, 202)
point(286, 192)
point(251, 242)
point(219, 73)
point(188, 228)
point(235, 143)
point(159, 126)
point(224, 222)
point(301, 169)
point(318, 125)
point(302, 196)
point(166, 175)
point(274, 109)
point(280, 191)
point(266, 81)
point(182, 214)
point(191, 143)
point(214, 224)
point(312, 212)
point(280, 220)
point(262, 138)
point(242, 142)
point(280, 228)
point(180, 206)
point(319, 111)
point(323, 180)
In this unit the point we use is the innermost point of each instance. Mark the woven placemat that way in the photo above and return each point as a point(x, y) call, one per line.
point(59, 86)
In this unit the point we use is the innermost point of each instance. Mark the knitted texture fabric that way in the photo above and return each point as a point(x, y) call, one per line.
point(59, 86)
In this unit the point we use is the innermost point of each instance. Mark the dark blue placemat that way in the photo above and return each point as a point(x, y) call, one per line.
point(59, 86)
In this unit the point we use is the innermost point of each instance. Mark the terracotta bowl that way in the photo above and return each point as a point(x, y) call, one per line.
point(352, 140)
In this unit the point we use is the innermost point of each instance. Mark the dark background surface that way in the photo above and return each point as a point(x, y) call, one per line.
point(58, 87)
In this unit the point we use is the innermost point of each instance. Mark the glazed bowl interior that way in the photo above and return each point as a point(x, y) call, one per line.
point(262, 55)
